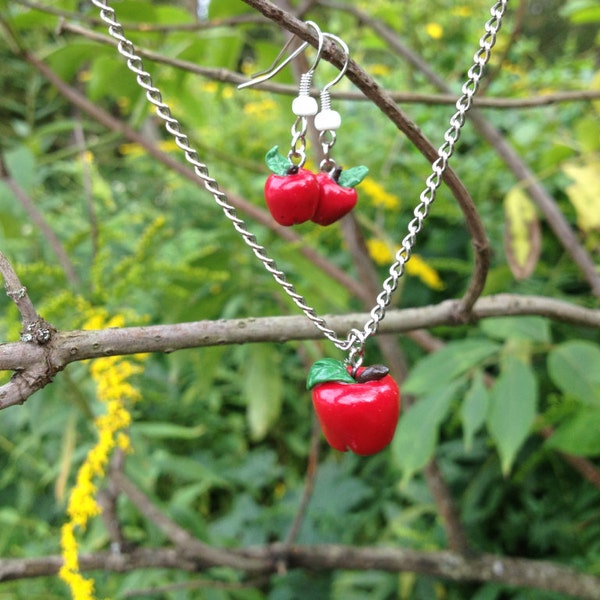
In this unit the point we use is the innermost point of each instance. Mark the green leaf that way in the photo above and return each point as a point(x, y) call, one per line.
point(172, 431)
point(512, 411)
point(581, 11)
point(578, 434)
point(350, 178)
point(533, 328)
point(328, 369)
point(575, 368)
point(279, 164)
point(263, 390)
point(442, 367)
point(416, 437)
point(474, 409)
point(21, 166)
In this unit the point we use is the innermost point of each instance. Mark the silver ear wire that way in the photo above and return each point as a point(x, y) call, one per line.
point(327, 121)
point(277, 66)
point(304, 105)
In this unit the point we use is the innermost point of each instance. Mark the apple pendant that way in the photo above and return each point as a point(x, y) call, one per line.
point(356, 413)
point(337, 196)
point(291, 193)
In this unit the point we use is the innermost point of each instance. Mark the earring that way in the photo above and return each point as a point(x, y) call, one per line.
point(337, 196)
point(292, 192)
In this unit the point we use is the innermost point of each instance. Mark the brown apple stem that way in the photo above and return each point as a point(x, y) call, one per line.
point(372, 373)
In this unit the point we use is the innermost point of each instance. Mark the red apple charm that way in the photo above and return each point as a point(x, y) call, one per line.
point(337, 195)
point(356, 413)
point(291, 193)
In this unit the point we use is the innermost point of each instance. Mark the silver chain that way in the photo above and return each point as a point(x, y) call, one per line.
point(355, 340)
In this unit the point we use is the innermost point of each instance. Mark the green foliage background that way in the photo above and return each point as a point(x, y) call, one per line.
point(222, 435)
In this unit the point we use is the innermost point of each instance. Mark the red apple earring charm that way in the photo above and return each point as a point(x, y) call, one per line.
point(357, 407)
point(292, 192)
point(337, 194)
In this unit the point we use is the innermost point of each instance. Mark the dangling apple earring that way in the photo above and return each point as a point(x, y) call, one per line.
point(337, 195)
point(292, 192)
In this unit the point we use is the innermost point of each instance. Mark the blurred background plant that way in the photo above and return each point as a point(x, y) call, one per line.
point(221, 436)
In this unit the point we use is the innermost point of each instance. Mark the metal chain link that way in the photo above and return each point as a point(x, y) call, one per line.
point(432, 183)
point(355, 340)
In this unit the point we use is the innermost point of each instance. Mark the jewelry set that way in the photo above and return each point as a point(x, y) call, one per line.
point(358, 407)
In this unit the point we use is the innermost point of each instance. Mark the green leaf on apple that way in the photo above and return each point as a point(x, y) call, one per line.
point(328, 369)
point(279, 164)
point(350, 178)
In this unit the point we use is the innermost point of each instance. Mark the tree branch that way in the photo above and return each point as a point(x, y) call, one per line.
point(541, 575)
point(35, 365)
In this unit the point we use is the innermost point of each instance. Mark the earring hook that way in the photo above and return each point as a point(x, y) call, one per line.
point(344, 68)
point(271, 71)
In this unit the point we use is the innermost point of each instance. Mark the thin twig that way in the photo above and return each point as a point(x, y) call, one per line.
point(226, 76)
point(587, 469)
point(40, 222)
point(447, 509)
point(17, 292)
point(309, 482)
point(145, 27)
point(188, 544)
point(86, 177)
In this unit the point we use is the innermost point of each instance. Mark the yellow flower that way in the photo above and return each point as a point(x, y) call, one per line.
point(131, 149)
point(384, 254)
point(124, 102)
point(462, 11)
point(434, 30)
point(380, 70)
point(380, 251)
point(209, 86)
point(417, 267)
point(111, 376)
point(378, 194)
point(261, 109)
point(81, 588)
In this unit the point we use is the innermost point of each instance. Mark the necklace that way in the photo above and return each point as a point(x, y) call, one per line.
point(365, 391)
